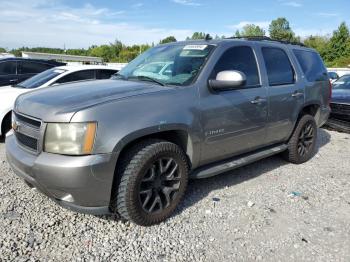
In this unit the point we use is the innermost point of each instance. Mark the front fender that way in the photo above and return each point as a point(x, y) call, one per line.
point(126, 120)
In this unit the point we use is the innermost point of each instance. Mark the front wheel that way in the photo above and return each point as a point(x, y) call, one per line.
point(302, 144)
point(153, 180)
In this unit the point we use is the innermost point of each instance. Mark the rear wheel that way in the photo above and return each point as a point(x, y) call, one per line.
point(153, 180)
point(302, 144)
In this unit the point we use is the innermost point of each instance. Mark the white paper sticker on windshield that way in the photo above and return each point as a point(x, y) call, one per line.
point(195, 47)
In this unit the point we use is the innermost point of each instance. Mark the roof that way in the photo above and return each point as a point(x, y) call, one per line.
point(53, 62)
point(241, 39)
point(73, 68)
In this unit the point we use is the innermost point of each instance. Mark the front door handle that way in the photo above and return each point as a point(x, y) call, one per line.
point(258, 100)
point(297, 94)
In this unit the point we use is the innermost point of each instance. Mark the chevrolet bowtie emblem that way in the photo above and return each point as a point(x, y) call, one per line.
point(15, 125)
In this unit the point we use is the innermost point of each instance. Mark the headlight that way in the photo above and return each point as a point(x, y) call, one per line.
point(70, 138)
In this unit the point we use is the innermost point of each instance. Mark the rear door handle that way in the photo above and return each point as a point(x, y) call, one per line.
point(258, 100)
point(13, 81)
point(297, 94)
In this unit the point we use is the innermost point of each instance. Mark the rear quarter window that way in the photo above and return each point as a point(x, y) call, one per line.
point(312, 65)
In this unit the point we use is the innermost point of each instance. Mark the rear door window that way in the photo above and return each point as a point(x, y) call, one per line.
point(278, 66)
point(312, 65)
point(77, 76)
point(240, 58)
point(8, 68)
point(30, 67)
point(105, 73)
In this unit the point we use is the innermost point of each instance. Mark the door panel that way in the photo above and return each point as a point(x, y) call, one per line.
point(232, 124)
point(284, 105)
point(286, 96)
point(234, 121)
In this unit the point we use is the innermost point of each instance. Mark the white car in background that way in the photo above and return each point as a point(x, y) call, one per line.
point(52, 77)
point(158, 70)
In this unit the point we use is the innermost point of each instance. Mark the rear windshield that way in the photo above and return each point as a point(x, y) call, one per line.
point(312, 65)
point(40, 79)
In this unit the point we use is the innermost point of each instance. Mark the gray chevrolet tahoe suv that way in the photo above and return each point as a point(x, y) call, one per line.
point(128, 145)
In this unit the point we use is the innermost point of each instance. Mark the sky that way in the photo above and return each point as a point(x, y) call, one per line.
point(80, 24)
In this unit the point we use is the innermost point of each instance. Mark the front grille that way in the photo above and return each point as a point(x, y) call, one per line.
point(27, 141)
point(27, 120)
point(340, 108)
point(27, 131)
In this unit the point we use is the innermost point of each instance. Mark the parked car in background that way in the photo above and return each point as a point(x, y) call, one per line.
point(340, 105)
point(52, 77)
point(333, 76)
point(128, 145)
point(14, 70)
point(160, 70)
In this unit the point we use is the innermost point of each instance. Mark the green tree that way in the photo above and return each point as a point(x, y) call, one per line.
point(280, 29)
point(197, 35)
point(104, 51)
point(250, 30)
point(320, 43)
point(168, 39)
point(116, 47)
point(2, 50)
point(339, 44)
point(126, 55)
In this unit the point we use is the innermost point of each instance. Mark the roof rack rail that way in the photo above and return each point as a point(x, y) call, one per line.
point(265, 38)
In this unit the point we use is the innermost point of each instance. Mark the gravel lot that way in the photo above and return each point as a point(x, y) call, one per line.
point(270, 211)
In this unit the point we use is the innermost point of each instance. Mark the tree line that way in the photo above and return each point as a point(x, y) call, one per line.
point(334, 48)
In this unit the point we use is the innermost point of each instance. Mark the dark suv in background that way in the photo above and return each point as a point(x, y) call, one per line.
point(16, 70)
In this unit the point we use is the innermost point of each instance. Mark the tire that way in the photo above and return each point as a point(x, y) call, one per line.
point(302, 144)
point(151, 182)
point(5, 125)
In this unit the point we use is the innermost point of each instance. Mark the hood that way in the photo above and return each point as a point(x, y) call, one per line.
point(341, 96)
point(59, 103)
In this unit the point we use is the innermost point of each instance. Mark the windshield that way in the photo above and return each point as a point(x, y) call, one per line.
point(342, 83)
point(169, 64)
point(40, 79)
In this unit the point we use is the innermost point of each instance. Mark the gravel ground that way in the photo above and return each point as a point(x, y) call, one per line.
point(269, 211)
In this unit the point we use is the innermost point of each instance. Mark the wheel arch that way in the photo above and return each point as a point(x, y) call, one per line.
point(3, 121)
point(178, 136)
point(312, 109)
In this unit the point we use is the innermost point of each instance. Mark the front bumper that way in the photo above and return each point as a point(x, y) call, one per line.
point(79, 183)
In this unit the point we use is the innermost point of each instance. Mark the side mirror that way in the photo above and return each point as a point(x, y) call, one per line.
point(228, 80)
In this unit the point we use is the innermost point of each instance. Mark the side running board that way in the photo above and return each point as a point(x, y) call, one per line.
point(233, 163)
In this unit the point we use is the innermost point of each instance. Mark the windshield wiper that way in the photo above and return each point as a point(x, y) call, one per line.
point(147, 78)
